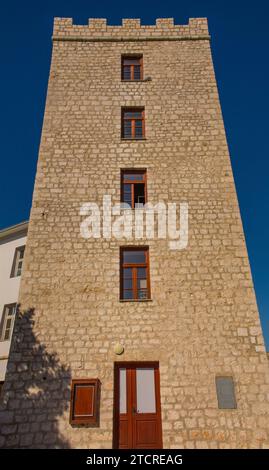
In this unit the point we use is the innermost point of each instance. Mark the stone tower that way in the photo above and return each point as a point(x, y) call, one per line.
point(133, 112)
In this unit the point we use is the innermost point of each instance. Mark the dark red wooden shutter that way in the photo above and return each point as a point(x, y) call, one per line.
point(85, 401)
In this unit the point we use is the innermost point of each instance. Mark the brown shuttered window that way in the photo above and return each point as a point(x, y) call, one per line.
point(133, 187)
point(133, 123)
point(85, 394)
point(134, 273)
point(132, 67)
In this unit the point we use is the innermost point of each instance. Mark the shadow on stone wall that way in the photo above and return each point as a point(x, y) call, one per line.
point(36, 392)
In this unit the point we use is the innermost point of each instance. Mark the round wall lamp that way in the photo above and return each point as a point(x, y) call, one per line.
point(118, 349)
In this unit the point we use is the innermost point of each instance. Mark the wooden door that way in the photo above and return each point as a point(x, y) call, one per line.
point(137, 417)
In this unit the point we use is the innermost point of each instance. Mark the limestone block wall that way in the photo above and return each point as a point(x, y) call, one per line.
point(202, 320)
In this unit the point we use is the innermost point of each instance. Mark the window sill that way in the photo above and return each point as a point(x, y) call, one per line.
point(133, 209)
point(135, 300)
point(136, 81)
point(129, 139)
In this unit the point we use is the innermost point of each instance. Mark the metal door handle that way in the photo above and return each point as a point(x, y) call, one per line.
point(134, 410)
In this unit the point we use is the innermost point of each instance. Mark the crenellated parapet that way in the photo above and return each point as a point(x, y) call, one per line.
point(131, 30)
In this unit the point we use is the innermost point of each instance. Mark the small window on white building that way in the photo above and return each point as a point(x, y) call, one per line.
point(7, 321)
point(17, 261)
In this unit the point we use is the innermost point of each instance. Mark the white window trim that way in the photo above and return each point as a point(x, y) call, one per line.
point(9, 312)
point(18, 257)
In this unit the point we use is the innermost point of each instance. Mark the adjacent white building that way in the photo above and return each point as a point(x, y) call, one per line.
point(12, 245)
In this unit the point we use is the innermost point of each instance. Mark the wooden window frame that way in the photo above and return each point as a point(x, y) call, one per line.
point(89, 420)
point(16, 260)
point(133, 110)
point(5, 317)
point(130, 57)
point(126, 171)
point(134, 266)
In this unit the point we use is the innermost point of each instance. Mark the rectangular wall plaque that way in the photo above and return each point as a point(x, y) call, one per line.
point(225, 392)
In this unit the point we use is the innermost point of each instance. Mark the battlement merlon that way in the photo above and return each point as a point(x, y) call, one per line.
point(131, 29)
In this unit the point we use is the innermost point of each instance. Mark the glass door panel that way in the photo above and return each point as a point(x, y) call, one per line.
point(123, 392)
point(145, 390)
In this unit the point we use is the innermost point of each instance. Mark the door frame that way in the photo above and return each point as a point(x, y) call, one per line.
point(116, 400)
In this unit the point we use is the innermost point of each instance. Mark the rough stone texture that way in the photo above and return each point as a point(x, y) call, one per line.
point(203, 319)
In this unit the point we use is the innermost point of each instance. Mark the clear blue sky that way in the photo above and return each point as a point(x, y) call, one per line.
point(240, 44)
